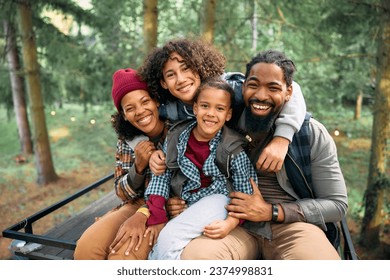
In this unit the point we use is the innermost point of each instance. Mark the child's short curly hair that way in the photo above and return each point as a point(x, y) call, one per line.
point(201, 57)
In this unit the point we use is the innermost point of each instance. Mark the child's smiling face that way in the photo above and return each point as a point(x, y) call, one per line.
point(180, 80)
point(212, 110)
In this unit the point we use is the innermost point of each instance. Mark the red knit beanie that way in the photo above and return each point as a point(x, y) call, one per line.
point(124, 81)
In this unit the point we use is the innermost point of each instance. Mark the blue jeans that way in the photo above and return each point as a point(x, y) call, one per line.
point(179, 231)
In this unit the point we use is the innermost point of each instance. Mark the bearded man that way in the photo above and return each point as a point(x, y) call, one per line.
point(291, 213)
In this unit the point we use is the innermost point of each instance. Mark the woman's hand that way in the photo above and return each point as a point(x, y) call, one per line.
point(134, 228)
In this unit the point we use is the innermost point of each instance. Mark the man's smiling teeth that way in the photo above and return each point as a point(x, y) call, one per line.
point(260, 107)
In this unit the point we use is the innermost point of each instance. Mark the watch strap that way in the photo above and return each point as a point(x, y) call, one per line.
point(275, 213)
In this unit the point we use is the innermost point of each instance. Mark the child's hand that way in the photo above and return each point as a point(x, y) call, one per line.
point(143, 151)
point(175, 206)
point(272, 157)
point(157, 163)
point(154, 231)
point(133, 228)
point(218, 229)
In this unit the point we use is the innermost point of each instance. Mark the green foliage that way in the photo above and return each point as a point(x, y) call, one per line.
point(73, 143)
point(333, 43)
point(9, 140)
point(179, 19)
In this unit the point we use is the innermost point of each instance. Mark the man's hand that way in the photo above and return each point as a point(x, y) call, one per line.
point(249, 207)
point(175, 206)
point(272, 157)
point(157, 163)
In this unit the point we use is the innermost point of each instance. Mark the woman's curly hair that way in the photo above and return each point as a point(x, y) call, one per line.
point(201, 57)
point(124, 129)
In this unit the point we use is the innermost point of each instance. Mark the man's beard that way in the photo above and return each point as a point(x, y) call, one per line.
point(255, 124)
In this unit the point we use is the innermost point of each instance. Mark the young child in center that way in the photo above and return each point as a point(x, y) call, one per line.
point(195, 151)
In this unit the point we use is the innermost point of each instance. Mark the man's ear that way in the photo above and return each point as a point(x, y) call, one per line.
point(243, 87)
point(289, 93)
point(163, 84)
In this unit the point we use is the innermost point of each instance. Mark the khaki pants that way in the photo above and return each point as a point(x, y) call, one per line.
point(95, 241)
point(295, 241)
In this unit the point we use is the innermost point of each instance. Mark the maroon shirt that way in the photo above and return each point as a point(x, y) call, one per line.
point(197, 152)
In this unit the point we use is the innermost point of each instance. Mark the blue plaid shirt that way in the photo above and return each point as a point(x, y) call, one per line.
point(241, 169)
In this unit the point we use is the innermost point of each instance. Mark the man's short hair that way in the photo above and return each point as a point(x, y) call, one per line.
point(274, 57)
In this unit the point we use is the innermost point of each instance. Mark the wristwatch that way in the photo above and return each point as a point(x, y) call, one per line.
point(275, 213)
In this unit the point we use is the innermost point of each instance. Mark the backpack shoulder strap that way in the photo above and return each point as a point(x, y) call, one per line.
point(298, 168)
point(178, 179)
point(236, 81)
point(232, 143)
point(172, 140)
point(298, 158)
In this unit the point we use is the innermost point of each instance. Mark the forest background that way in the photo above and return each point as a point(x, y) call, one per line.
point(66, 51)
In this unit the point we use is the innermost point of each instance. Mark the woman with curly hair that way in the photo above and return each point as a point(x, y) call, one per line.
point(120, 234)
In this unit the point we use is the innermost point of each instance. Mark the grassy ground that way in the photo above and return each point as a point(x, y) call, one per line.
point(84, 152)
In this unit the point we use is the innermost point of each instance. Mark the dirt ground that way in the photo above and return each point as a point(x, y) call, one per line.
point(30, 198)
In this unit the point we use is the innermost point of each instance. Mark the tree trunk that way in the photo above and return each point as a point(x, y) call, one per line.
point(150, 24)
point(44, 163)
point(378, 182)
point(254, 27)
point(18, 94)
point(209, 7)
point(358, 106)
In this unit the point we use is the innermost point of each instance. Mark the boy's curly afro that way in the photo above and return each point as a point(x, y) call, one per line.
point(201, 57)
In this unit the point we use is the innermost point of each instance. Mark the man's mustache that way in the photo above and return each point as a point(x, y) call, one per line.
point(259, 102)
